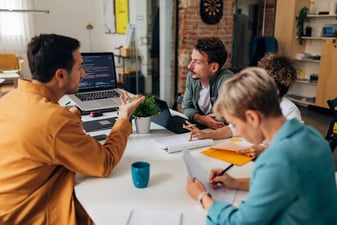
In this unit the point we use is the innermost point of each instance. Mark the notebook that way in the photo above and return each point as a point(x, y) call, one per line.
point(101, 124)
point(180, 142)
point(167, 120)
point(226, 151)
point(98, 89)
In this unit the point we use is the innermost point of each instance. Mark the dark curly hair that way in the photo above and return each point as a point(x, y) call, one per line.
point(282, 68)
point(214, 48)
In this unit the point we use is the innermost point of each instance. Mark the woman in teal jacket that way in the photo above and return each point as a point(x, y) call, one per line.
point(293, 181)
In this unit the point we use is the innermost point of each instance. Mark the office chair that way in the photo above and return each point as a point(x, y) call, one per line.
point(9, 61)
point(331, 135)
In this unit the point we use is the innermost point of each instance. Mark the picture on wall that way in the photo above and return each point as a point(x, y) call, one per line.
point(109, 16)
point(122, 16)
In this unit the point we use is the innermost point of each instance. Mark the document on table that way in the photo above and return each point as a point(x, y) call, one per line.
point(194, 169)
point(154, 217)
point(226, 151)
point(233, 144)
point(180, 142)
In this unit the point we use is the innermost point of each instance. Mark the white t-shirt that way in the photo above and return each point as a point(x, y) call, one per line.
point(204, 100)
point(290, 110)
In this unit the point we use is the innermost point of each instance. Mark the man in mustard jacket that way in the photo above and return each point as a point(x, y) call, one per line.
point(43, 144)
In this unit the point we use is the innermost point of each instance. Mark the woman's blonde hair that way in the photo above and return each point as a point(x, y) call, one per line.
point(252, 88)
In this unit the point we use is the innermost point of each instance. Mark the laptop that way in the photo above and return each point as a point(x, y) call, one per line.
point(98, 90)
point(165, 119)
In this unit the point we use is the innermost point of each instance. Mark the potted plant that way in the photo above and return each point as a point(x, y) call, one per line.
point(300, 23)
point(143, 113)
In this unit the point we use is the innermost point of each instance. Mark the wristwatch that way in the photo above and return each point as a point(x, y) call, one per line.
point(201, 196)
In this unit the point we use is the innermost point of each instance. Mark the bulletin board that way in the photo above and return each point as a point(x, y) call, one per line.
point(122, 16)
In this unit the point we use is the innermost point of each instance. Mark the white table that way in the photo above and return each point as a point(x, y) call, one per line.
point(110, 200)
point(10, 76)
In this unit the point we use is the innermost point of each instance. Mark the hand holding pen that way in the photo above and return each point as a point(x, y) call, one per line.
point(195, 132)
point(220, 177)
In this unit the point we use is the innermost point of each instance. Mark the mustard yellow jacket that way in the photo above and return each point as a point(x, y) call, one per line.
point(42, 147)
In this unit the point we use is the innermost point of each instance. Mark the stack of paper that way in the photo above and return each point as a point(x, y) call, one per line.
point(180, 142)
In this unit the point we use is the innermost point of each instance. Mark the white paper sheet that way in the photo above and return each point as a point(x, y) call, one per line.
point(180, 142)
point(194, 169)
point(155, 217)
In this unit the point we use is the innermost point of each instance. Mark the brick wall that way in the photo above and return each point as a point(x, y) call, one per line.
point(270, 17)
point(191, 28)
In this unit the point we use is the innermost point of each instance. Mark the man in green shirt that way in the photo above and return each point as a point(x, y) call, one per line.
point(205, 76)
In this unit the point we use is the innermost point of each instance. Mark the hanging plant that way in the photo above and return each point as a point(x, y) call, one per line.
point(300, 23)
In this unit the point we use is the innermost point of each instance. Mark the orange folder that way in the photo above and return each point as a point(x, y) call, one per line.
point(227, 151)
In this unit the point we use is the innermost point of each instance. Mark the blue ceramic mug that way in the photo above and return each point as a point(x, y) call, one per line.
point(140, 172)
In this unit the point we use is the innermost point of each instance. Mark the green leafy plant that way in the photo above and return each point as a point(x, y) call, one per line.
point(300, 23)
point(147, 108)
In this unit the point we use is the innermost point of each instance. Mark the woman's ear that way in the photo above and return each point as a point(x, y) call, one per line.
point(253, 118)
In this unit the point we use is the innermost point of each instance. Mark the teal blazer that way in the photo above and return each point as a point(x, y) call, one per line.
point(293, 183)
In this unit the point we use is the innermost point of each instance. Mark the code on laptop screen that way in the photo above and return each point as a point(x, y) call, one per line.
point(99, 71)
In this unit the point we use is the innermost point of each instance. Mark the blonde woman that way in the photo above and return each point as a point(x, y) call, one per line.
point(289, 184)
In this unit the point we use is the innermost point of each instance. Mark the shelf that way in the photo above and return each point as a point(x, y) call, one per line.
point(308, 60)
point(306, 82)
point(316, 38)
point(321, 16)
point(302, 100)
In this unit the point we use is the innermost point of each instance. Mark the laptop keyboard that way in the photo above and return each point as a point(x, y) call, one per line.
point(98, 95)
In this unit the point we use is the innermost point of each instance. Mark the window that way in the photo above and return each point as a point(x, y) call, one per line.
point(10, 22)
point(15, 27)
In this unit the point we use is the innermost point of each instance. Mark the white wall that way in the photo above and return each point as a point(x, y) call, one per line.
point(70, 17)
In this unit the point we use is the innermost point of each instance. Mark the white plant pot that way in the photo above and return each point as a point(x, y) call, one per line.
point(143, 124)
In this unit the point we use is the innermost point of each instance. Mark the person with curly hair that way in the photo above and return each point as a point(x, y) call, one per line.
point(284, 72)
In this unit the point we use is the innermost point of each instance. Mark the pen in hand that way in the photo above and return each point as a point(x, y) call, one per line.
point(189, 125)
point(225, 170)
point(220, 174)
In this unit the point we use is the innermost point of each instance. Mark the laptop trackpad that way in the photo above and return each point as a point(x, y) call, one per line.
point(110, 102)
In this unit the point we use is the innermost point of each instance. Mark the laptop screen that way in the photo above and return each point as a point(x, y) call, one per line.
point(100, 71)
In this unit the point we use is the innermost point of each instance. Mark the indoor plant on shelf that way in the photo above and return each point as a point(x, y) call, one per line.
point(302, 16)
point(143, 114)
